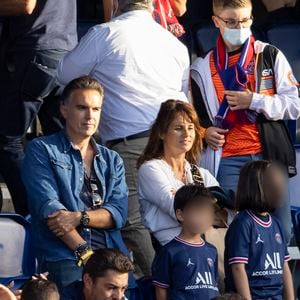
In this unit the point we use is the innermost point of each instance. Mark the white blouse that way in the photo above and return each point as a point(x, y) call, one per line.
point(157, 185)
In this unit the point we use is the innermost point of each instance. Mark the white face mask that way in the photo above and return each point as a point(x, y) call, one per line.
point(236, 36)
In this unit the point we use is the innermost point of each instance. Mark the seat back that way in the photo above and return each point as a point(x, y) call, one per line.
point(285, 37)
point(206, 37)
point(296, 224)
point(12, 241)
point(16, 250)
point(83, 26)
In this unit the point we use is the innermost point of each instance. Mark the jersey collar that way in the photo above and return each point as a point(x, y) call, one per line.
point(178, 239)
point(259, 221)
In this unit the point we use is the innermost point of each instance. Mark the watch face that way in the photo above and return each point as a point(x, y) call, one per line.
point(85, 219)
point(85, 222)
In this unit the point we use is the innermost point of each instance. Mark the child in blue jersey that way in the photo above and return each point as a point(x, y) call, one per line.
point(255, 250)
point(186, 268)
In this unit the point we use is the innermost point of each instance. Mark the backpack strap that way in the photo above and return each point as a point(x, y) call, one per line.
point(197, 177)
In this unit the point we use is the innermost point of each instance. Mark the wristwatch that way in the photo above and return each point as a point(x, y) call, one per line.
point(85, 219)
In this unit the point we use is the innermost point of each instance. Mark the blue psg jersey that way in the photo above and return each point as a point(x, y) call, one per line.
point(258, 243)
point(187, 270)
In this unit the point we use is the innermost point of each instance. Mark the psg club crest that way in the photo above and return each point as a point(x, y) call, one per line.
point(210, 262)
point(278, 238)
point(250, 68)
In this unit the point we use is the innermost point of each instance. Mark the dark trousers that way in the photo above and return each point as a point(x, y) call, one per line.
point(135, 235)
point(27, 87)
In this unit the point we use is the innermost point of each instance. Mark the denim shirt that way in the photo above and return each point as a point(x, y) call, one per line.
point(53, 174)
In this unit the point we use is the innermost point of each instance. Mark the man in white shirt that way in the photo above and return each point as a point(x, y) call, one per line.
point(140, 65)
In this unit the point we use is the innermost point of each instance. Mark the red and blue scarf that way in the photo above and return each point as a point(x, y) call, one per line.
point(234, 78)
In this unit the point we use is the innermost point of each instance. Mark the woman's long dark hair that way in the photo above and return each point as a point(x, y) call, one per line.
point(167, 113)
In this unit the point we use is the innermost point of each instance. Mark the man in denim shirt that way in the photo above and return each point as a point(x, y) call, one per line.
point(76, 189)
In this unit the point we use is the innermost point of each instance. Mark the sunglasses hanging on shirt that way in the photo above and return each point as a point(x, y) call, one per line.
point(96, 197)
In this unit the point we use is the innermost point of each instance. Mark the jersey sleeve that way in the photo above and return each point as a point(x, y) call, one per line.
point(161, 269)
point(237, 242)
point(287, 256)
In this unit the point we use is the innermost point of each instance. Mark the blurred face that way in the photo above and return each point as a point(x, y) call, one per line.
point(110, 287)
point(180, 136)
point(82, 112)
point(197, 219)
point(276, 187)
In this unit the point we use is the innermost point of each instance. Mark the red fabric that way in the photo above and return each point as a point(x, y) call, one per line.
point(164, 15)
point(221, 50)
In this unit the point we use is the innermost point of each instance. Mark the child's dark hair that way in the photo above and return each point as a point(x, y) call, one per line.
point(229, 297)
point(256, 190)
point(39, 289)
point(192, 194)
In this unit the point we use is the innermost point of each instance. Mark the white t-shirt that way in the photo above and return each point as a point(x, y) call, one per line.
point(156, 187)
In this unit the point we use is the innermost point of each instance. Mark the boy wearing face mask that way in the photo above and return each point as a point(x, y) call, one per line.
point(243, 90)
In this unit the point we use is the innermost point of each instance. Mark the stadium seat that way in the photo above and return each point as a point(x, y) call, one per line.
point(16, 250)
point(296, 223)
point(285, 37)
point(83, 26)
point(207, 33)
point(205, 38)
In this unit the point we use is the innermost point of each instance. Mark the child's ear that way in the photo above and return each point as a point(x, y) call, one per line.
point(179, 215)
point(216, 21)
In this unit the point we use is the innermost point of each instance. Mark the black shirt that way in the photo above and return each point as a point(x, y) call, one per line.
point(93, 236)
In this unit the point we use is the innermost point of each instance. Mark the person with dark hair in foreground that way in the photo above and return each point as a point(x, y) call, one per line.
point(256, 255)
point(76, 188)
point(187, 267)
point(40, 289)
point(105, 276)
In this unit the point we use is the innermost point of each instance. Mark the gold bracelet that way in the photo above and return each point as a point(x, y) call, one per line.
point(84, 257)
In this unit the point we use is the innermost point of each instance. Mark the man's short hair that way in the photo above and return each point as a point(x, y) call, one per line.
point(219, 5)
point(104, 260)
point(129, 5)
point(192, 194)
point(39, 289)
point(82, 83)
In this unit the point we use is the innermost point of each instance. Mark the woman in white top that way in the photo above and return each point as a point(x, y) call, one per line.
point(174, 144)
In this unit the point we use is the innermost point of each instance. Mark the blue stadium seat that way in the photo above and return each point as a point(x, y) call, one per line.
point(83, 26)
point(206, 36)
point(296, 223)
point(285, 36)
point(18, 262)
